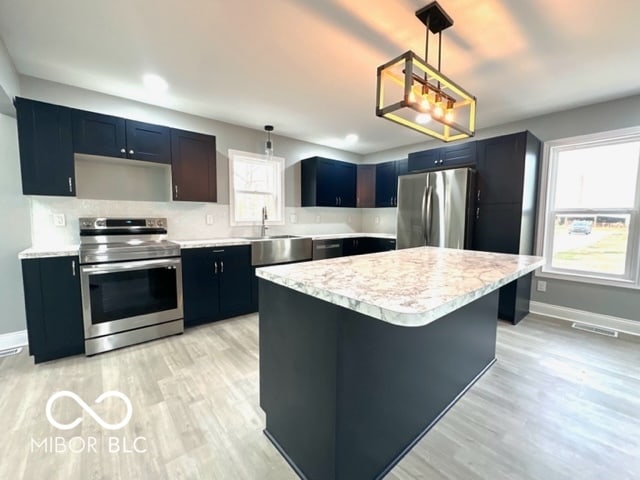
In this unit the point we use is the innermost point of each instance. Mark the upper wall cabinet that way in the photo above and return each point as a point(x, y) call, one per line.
point(452, 156)
point(98, 134)
point(328, 183)
point(387, 182)
point(193, 166)
point(46, 148)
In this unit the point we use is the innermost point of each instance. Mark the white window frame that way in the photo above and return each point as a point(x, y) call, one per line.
point(546, 218)
point(273, 219)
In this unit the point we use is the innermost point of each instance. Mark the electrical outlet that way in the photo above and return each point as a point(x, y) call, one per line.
point(59, 220)
point(209, 219)
point(377, 220)
point(317, 218)
point(542, 286)
point(349, 219)
point(293, 218)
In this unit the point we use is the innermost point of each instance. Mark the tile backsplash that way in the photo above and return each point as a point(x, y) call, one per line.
point(186, 220)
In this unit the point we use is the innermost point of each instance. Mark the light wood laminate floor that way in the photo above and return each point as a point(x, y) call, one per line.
point(558, 404)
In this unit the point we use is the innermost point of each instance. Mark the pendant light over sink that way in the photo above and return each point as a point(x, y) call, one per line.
point(413, 93)
point(268, 145)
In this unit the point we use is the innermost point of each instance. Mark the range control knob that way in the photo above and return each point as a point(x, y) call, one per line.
point(100, 223)
point(161, 223)
point(151, 223)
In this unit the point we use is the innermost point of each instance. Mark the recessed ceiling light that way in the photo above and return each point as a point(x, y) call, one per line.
point(351, 138)
point(154, 83)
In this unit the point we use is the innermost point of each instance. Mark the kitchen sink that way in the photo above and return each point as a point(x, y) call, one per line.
point(273, 249)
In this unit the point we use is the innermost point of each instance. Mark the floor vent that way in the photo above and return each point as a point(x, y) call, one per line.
point(10, 351)
point(599, 330)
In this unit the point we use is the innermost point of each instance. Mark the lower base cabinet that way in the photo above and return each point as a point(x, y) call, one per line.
point(53, 307)
point(363, 245)
point(216, 283)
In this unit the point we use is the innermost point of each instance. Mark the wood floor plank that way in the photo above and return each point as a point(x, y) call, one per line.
point(559, 404)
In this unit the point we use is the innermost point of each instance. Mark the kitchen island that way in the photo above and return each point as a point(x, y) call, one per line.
point(360, 356)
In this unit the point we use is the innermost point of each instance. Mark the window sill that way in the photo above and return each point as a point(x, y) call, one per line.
point(592, 280)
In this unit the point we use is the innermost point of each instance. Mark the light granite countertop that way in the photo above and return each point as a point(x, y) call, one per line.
point(66, 250)
point(411, 287)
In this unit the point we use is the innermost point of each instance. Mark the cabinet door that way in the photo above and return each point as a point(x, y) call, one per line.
point(458, 155)
point(386, 184)
point(147, 142)
point(382, 244)
point(46, 148)
point(326, 183)
point(53, 306)
point(501, 169)
point(426, 160)
point(350, 246)
point(366, 187)
point(344, 178)
point(497, 228)
point(235, 280)
point(193, 166)
point(97, 134)
point(200, 286)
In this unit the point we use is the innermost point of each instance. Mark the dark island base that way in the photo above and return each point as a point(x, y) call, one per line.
point(346, 396)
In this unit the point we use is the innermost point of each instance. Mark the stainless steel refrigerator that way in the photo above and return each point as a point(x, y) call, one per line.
point(435, 209)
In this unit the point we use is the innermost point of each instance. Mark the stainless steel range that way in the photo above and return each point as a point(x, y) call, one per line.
point(131, 281)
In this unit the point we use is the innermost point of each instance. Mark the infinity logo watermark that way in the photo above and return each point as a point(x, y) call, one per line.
point(90, 444)
point(89, 410)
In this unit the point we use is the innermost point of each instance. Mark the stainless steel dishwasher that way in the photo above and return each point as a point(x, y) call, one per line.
point(329, 248)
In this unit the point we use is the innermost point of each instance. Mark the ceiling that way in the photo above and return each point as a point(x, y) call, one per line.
point(308, 66)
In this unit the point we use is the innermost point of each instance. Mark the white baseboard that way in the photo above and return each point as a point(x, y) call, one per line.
point(13, 339)
point(622, 325)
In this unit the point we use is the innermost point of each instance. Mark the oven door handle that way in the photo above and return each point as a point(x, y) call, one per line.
point(128, 266)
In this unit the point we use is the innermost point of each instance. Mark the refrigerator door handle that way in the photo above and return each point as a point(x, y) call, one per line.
point(426, 213)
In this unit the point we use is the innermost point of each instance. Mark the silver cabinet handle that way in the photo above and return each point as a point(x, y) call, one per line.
point(435, 162)
point(478, 196)
point(70, 185)
point(478, 213)
point(339, 200)
point(175, 189)
point(215, 268)
point(73, 267)
point(336, 200)
point(130, 152)
point(221, 266)
point(123, 150)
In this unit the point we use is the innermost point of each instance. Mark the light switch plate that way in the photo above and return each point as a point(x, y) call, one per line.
point(542, 286)
point(209, 219)
point(293, 218)
point(59, 220)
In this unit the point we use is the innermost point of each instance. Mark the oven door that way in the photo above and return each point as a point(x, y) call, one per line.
point(122, 296)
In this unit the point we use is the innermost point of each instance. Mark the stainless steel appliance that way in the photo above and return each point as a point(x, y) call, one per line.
point(131, 282)
point(329, 248)
point(435, 208)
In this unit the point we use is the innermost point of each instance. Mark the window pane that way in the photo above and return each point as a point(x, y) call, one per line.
point(253, 175)
point(597, 177)
point(248, 207)
point(591, 243)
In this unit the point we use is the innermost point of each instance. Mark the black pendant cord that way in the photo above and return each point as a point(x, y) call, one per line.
point(439, 55)
point(425, 89)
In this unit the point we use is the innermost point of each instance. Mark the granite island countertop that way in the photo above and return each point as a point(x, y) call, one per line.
point(410, 287)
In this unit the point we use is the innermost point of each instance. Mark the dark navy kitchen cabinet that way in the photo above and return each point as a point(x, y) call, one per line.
point(109, 136)
point(193, 166)
point(387, 182)
point(148, 142)
point(506, 198)
point(46, 148)
point(328, 183)
point(53, 307)
point(98, 134)
point(235, 280)
point(451, 156)
point(363, 245)
point(216, 283)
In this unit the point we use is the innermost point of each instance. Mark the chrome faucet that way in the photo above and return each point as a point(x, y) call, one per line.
point(263, 229)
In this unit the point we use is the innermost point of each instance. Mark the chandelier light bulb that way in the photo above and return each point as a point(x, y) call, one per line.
point(426, 106)
point(412, 97)
point(438, 112)
point(449, 115)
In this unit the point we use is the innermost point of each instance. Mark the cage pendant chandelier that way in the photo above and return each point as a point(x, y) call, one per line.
point(413, 93)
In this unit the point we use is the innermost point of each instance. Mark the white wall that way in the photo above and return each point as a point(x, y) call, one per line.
point(611, 115)
point(14, 218)
point(9, 83)
point(186, 219)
